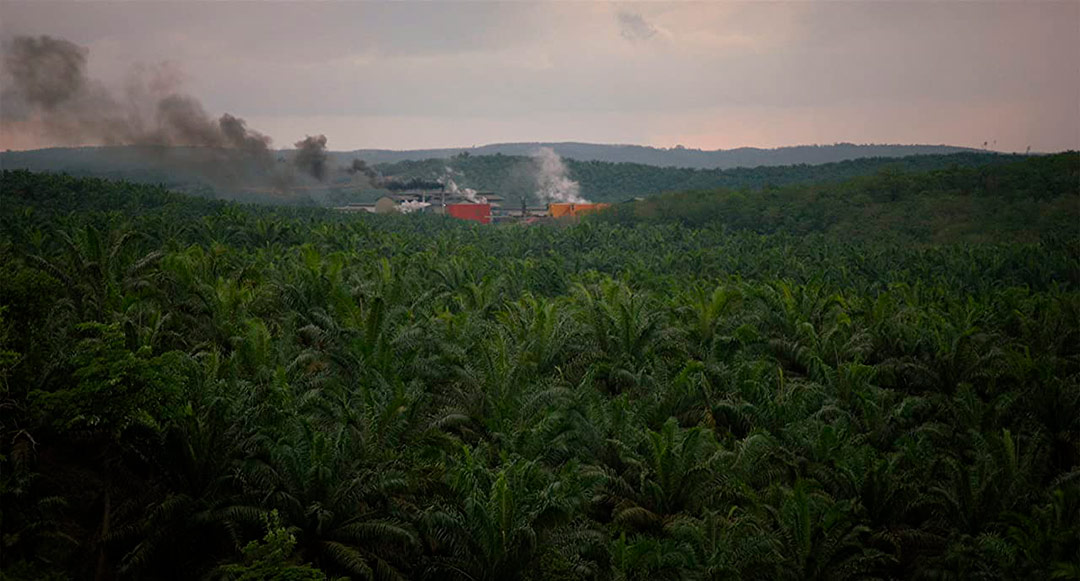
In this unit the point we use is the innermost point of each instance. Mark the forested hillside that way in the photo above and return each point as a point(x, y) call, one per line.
point(616, 182)
point(1021, 200)
point(712, 386)
point(677, 156)
point(210, 173)
point(105, 160)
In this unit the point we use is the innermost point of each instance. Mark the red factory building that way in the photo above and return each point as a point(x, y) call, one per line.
point(475, 212)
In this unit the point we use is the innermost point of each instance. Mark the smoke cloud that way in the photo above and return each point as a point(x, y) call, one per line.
point(450, 186)
point(47, 90)
point(47, 71)
point(239, 136)
point(359, 166)
point(553, 183)
point(634, 27)
point(411, 206)
point(311, 157)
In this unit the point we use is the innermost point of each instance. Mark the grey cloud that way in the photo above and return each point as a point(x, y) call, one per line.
point(502, 64)
point(634, 27)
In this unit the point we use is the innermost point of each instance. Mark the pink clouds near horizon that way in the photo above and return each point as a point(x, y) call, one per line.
point(707, 75)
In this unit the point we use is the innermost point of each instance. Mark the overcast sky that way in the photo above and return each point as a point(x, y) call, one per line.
point(708, 75)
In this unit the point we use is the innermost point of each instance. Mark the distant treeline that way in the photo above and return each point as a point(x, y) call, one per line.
point(676, 156)
point(601, 181)
point(1019, 200)
point(186, 169)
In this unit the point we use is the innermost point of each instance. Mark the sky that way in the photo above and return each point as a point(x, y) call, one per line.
point(710, 75)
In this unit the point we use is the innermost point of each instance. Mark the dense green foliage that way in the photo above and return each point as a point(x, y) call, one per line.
point(603, 181)
point(1022, 200)
point(195, 389)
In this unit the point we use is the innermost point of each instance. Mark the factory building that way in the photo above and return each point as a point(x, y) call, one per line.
point(357, 207)
point(430, 201)
point(439, 199)
point(467, 208)
point(475, 212)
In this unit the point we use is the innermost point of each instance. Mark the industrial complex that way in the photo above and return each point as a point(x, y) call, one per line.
point(483, 207)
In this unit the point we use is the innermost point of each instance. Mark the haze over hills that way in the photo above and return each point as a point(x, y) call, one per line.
point(677, 156)
point(208, 172)
point(603, 181)
point(57, 158)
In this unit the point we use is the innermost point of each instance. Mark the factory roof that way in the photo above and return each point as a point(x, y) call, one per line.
point(435, 194)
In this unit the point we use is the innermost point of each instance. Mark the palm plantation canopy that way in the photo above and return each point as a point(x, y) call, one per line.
point(875, 379)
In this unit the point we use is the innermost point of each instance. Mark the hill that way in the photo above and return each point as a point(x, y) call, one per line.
point(1023, 200)
point(674, 157)
point(214, 173)
point(615, 182)
point(201, 171)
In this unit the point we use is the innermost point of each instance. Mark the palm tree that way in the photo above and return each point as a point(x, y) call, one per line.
point(821, 538)
point(626, 331)
point(97, 267)
point(495, 520)
point(732, 545)
point(194, 516)
point(349, 516)
point(648, 486)
point(706, 312)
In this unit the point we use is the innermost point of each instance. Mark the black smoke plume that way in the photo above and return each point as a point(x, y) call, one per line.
point(48, 89)
point(239, 136)
point(46, 93)
point(311, 156)
point(47, 71)
point(361, 167)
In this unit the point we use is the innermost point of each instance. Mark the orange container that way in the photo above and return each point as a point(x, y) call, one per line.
point(560, 210)
point(580, 209)
point(565, 210)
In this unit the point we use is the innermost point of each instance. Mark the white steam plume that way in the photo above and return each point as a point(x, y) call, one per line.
point(411, 206)
point(447, 180)
point(553, 183)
